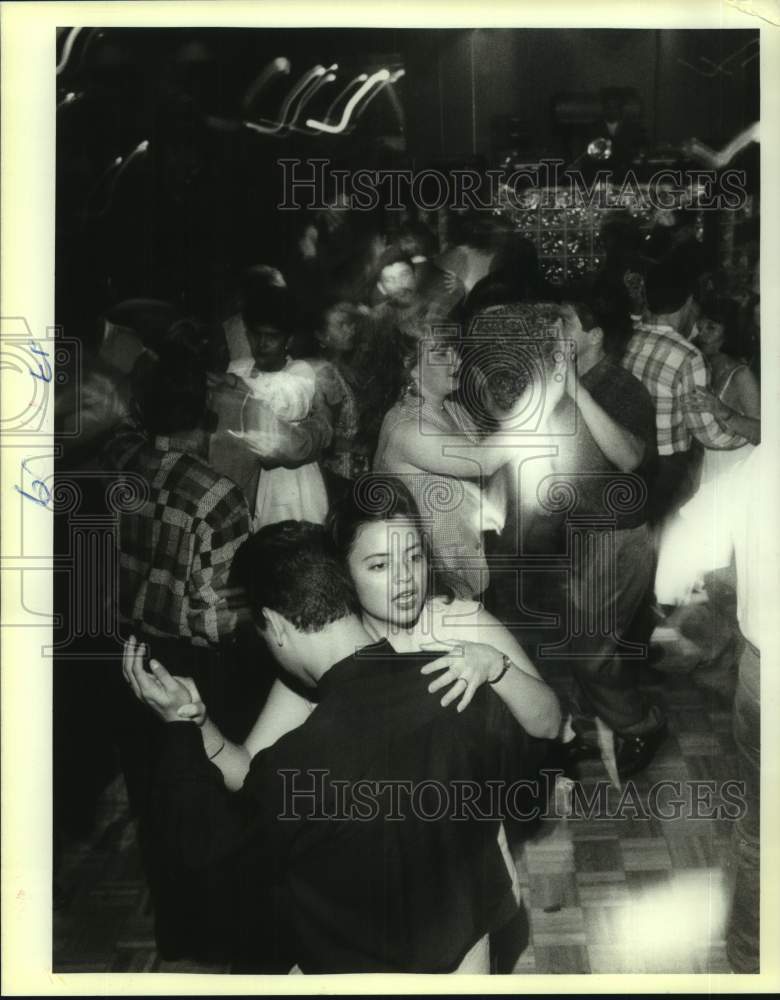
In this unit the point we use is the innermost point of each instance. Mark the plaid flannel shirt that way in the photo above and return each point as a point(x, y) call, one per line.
point(670, 367)
point(177, 548)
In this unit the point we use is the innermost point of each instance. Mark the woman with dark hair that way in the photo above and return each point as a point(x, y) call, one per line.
point(433, 442)
point(735, 396)
point(384, 542)
point(359, 380)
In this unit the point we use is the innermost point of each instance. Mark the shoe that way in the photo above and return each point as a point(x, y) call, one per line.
point(634, 753)
point(579, 749)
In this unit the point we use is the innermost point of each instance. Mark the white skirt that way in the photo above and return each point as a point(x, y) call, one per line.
point(291, 495)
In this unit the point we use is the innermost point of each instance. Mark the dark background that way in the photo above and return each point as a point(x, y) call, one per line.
point(179, 219)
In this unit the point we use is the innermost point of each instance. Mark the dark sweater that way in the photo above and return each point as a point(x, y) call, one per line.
point(366, 877)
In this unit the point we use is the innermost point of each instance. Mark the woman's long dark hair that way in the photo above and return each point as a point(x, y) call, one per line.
point(724, 310)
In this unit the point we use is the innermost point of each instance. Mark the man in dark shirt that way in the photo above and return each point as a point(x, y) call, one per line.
point(587, 514)
point(350, 837)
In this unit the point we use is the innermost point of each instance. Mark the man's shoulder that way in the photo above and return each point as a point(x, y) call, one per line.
point(206, 491)
point(652, 333)
point(663, 343)
point(617, 380)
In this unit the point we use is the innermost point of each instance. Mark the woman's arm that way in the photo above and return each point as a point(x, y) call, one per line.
point(283, 711)
point(532, 702)
point(745, 417)
point(727, 418)
point(232, 759)
point(540, 710)
point(425, 447)
point(747, 427)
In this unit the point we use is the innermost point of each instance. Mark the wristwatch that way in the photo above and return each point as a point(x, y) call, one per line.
point(506, 664)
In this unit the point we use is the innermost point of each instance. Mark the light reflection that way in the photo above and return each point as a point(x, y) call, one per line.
point(674, 920)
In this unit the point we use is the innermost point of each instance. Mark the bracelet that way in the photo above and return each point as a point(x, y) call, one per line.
point(506, 666)
point(218, 751)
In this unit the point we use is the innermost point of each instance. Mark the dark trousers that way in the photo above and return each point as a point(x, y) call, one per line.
point(603, 600)
point(615, 584)
point(743, 934)
point(672, 482)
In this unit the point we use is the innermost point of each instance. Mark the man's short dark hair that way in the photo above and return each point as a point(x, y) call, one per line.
point(172, 392)
point(607, 304)
point(667, 287)
point(415, 237)
point(293, 568)
point(268, 305)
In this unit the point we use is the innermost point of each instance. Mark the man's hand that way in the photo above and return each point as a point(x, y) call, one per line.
point(558, 382)
point(450, 281)
point(571, 381)
point(164, 694)
point(705, 401)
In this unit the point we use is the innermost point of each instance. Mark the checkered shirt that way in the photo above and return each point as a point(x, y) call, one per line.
point(177, 547)
point(670, 367)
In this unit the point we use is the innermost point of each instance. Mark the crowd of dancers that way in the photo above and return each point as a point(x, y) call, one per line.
point(407, 517)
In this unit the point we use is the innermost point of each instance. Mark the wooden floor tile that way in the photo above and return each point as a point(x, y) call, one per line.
point(563, 958)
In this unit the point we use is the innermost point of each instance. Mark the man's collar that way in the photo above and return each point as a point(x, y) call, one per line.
point(595, 370)
point(660, 328)
point(352, 666)
point(669, 331)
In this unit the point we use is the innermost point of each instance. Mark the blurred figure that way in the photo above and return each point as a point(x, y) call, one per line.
point(624, 261)
point(185, 599)
point(734, 396)
point(514, 276)
point(252, 282)
point(611, 450)
point(402, 311)
point(727, 519)
point(396, 282)
point(359, 382)
point(443, 289)
point(283, 420)
point(671, 369)
point(175, 550)
point(472, 246)
point(624, 133)
point(432, 441)
point(90, 409)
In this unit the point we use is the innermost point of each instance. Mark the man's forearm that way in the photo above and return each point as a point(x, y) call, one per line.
point(707, 431)
point(619, 445)
point(747, 427)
